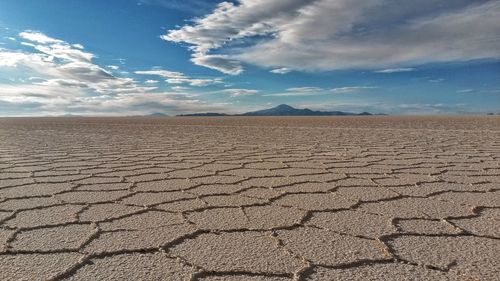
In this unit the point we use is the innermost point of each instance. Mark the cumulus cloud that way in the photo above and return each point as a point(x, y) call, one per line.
point(56, 77)
point(341, 34)
point(59, 63)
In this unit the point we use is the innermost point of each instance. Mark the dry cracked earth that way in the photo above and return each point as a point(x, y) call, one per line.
point(356, 198)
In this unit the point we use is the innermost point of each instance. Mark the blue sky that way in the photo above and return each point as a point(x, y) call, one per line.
point(134, 57)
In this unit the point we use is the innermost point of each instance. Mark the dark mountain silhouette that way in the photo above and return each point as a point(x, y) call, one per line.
point(157, 114)
point(71, 115)
point(284, 110)
point(205, 114)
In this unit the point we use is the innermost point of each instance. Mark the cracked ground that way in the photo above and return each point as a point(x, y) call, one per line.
point(356, 198)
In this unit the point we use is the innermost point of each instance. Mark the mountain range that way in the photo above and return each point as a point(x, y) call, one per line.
point(284, 110)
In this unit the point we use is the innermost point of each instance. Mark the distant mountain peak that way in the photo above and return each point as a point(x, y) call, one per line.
point(157, 114)
point(284, 110)
point(284, 106)
point(205, 114)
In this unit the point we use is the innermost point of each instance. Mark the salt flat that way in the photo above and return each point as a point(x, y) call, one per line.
point(235, 198)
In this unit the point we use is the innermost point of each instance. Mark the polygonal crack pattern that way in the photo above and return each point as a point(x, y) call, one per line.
point(275, 199)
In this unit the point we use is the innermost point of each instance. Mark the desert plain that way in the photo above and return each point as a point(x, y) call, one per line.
point(250, 198)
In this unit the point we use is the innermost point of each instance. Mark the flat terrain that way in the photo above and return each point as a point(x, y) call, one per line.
point(250, 198)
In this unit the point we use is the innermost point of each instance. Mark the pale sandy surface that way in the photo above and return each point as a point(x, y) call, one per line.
point(329, 198)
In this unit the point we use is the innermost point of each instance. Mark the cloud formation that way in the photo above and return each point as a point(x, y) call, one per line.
point(56, 77)
point(350, 90)
point(282, 70)
point(312, 91)
point(341, 34)
point(221, 63)
point(395, 70)
point(174, 77)
point(240, 92)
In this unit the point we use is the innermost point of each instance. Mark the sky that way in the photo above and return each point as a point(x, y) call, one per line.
point(138, 57)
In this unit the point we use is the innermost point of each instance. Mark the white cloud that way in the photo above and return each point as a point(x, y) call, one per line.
point(339, 34)
point(282, 70)
point(287, 94)
point(173, 77)
point(63, 83)
point(162, 73)
point(57, 77)
point(39, 37)
point(113, 67)
point(305, 89)
point(36, 92)
point(312, 91)
point(466, 91)
point(395, 70)
point(350, 90)
point(151, 81)
point(221, 63)
point(180, 88)
point(203, 82)
point(299, 91)
point(240, 92)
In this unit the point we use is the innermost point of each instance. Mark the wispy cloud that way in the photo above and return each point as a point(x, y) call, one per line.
point(299, 91)
point(437, 80)
point(221, 63)
point(305, 90)
point(240, 92)
point(351, 90)
point(282, 70)
point(39, 37)
point(162, 73)
point(312, 91)
point(466, 91)
point(317, 35)
point(395, 70)
point(174, 77)
point(180, 88)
